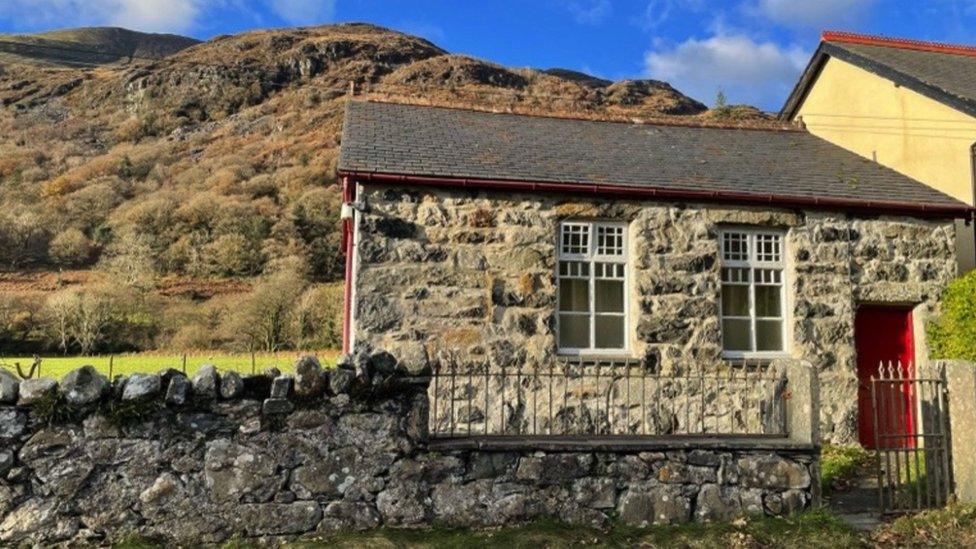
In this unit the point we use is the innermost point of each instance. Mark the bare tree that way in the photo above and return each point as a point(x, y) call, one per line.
point(91, 318)
point(263, 318)
point(59, 310)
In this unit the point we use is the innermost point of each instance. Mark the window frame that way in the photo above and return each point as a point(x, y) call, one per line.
point(752, 263)
point(592, 258)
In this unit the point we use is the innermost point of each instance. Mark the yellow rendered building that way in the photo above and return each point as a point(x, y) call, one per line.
point(908, 105)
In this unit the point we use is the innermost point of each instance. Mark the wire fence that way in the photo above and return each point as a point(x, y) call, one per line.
point(188, 362)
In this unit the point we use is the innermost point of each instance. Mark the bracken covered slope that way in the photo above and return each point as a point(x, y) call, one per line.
point(219, 160)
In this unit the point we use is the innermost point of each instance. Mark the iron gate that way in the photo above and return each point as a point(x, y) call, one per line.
point(911, 426)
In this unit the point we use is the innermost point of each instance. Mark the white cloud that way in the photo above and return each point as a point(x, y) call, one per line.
point(304, 12)
point(590, 12)
point(176, 16)
point(817, 14)
point(747, 71)
point(143, 15)
point(657, 12)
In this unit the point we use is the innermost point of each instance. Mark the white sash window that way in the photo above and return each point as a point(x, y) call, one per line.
point(592, 279)
point(753, 305)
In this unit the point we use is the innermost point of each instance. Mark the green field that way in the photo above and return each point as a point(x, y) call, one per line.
point(57, 366)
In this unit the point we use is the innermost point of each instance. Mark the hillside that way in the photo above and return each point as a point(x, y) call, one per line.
point(88, 46)
point(218, 161)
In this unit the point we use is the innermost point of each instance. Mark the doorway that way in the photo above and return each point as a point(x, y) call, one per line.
point(883, 336)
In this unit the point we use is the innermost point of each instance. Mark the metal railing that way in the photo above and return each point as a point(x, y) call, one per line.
point(606, 398)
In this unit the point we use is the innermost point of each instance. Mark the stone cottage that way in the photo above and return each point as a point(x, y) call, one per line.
point(520, 239)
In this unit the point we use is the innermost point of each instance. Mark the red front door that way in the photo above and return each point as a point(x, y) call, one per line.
point(883, 335)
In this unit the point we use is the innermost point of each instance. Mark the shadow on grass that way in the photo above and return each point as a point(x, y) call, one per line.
point(816, 528)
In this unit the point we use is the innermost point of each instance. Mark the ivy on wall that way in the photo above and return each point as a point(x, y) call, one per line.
point(953, 334)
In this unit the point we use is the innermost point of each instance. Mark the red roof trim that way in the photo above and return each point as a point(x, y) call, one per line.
point(918, 209)
point(905, 44)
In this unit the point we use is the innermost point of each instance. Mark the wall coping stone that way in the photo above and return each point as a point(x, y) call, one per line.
point(620, 443)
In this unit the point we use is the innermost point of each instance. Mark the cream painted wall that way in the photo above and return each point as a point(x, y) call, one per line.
point(899, 128)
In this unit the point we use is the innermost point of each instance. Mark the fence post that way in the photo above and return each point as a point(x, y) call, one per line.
point(803, 407)
point(803, 413)
point(961, 384)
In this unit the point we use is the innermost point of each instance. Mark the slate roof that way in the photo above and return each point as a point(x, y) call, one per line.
point(385, 138)
point(943, 72)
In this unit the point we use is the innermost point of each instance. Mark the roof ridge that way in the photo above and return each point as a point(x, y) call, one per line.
point(650, 121)
point(901, 43)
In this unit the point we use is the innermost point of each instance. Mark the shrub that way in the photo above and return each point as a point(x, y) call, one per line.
point(232, 254)
point(70, 248)
point(318, 318)
point(953, 334)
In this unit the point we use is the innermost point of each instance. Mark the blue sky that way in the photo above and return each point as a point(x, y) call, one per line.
point(751, 49)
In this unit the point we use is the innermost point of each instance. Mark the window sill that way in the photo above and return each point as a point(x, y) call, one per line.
point(766, 357)
point(597, 357)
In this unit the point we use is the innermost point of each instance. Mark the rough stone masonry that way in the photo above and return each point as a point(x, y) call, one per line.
point(202, 460)
point(473, 273)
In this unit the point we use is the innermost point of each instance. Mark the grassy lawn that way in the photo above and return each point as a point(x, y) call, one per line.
point(814, 529)
point(953, 526)
point(57, 366)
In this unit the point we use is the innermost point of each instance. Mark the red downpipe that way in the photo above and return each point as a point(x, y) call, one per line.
point(348, 196)
point(867, 206)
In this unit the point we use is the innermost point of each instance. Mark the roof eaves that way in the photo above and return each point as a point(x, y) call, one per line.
point(803, 85)
point(920, 209)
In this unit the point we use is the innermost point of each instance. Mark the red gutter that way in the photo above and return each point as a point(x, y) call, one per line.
point(867, 206)
point(348, 196)
point(901, 43)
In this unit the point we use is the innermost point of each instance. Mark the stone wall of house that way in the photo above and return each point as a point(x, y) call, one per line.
point(470, 275)
point(88, 461)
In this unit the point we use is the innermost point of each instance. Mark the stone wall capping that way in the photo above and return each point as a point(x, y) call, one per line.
point(281, 386)
point(621, 444)
point(33, 390)
point(141, 387)
point(9, 387)
point(178, 390)
point(84, 386)
point(206, 381)
point(231, 385)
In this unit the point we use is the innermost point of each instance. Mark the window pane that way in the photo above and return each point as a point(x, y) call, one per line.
point(609, 296)
point(769, 335)
point(735, 300)
point(574, 331)
point(574, 295)
point(610, 240)
point(609, 332)
point(768, 301)
point(768, 247)
point(735, 335)
point(576, 239)
point(735, 247)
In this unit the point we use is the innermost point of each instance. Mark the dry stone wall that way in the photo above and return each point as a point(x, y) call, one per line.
point(470, 274)
point(202, 460)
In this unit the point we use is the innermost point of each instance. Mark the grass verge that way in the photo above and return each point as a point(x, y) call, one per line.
point(839, 464)
point(951, 526)
point(815, 529)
